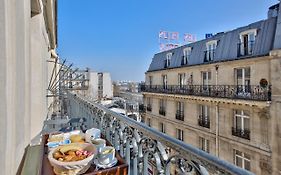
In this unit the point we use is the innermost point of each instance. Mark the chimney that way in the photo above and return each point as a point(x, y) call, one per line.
point(277, 38)
point(273, 11)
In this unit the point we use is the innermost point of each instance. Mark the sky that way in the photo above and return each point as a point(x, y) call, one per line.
point(121, 36)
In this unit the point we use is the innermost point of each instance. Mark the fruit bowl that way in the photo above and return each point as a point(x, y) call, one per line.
point(72, 167)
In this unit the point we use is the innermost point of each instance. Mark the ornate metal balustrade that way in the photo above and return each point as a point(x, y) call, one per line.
point(250, 92)
point(141, 145)
point(243, 133)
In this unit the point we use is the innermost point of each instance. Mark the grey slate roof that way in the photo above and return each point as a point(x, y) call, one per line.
point(226, 48)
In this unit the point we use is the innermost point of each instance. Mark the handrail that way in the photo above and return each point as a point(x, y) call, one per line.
point(211, 163)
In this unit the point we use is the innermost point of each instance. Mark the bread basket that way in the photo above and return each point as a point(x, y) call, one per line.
point(75, 167)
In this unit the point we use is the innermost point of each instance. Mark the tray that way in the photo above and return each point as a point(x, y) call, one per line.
point(121, 168)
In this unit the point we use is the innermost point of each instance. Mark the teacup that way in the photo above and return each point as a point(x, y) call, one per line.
point(93, 133)
point(99, 144)
point(107, 155)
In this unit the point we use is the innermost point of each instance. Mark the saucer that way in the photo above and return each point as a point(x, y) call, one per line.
point(109, 165)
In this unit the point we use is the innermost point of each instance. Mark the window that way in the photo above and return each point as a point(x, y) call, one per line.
point(180, 111)
point(181, 80)
point(210, 50)
point(242, 160)
point(148, 104)
point(247, 41)
point(162, 127)
point(204, 144)
point(162, 107)
point(149, 122)
point(150, 80)
point(168, 60)
point(206, 81)
point(204, 118)
point(243, 76)
point(165, 81)
point(206, 78)
point(186, 55)
point(180, 134)
point(241, 125)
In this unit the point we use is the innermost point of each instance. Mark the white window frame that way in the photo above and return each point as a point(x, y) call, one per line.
point(186, 54)
point(243, 117)
point(243, 76)
point(150, 79)
point(243, 157)
point(181, 79)
point(210, 46)
point(168, 59)
point(247, 32)
point(207, 75)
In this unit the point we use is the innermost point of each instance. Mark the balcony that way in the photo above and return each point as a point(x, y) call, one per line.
point(245, 49)
point(162, 111)
point(180, 115)
point(243, 133)
point(149, 108)
point(250, 92)
point(209, 55)
point(204, 121)
point(138, 144)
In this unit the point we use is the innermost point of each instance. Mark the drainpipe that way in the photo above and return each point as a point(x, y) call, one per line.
point(217, 117)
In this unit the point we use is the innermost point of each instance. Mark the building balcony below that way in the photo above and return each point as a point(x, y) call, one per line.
point(248, 92)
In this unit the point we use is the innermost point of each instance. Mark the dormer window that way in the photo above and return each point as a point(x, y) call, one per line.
point(186, 56)
point(168, 60)
point(210, 50)
point(247, 41)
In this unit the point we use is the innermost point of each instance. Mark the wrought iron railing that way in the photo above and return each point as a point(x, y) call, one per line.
point(204, 121)
point(243, 133)
point(249, 92)
point(180, 115)
point(141, 145)
point(245, 48)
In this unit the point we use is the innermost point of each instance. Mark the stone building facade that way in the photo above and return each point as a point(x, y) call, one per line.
point(223, 94)
point(28, 39)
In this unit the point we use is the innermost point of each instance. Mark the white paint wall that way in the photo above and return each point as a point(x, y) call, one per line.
point(23, 80)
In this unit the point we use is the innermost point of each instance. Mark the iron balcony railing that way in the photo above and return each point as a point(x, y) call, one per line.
point(249, 92)
point(145, 149)
point(180, 115)
point(245, 48)
point(149, 108)
point(209, 55)
point(162, 111)
point(243, 133)
point(204, 121)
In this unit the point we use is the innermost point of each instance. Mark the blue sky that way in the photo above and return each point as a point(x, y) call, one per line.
point(121, 36)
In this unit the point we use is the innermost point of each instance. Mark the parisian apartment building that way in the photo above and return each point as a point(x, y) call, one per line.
point(222, 94)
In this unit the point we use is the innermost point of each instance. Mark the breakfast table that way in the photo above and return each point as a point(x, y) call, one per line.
point(121, 167)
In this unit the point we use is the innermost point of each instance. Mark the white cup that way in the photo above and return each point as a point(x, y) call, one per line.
point(107, 155)
point(92, 133)
point(99, 144)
